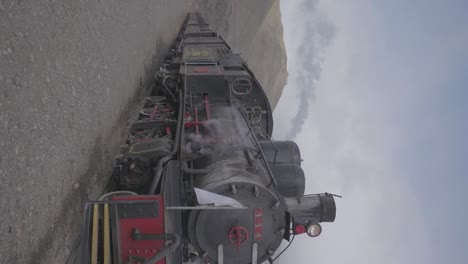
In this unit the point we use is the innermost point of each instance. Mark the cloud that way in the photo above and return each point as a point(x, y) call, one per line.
point(349, 140)
point(318, 33)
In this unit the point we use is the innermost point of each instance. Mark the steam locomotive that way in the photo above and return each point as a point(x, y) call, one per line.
point(200, 180)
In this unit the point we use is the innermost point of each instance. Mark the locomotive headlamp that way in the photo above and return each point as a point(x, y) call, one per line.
point(314, 229)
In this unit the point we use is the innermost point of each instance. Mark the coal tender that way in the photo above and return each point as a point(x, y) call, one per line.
point(200, 180)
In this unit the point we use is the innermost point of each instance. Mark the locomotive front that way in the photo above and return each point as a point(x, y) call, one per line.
point(234, 170)
point(200, 180)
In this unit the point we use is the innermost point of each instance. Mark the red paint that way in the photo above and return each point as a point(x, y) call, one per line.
point(195, 110)
point(258, 224)
point(141, 248)
point(299, 229)
point(191, 123)
point(155, 111)
point(238, 235)
point(201, 69)
point(187, 120)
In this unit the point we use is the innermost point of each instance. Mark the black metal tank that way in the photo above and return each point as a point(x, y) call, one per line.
point(284, 158)
point(290, 179)
point(281, 152)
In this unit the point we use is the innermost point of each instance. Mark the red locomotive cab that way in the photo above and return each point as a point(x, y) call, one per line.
point(140, 227)
point(128, 229)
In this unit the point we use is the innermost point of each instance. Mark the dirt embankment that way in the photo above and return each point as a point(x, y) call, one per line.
point(71, 73)
point(254, 29)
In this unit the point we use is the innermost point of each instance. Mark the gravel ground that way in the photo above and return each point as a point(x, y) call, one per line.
point(70, 74)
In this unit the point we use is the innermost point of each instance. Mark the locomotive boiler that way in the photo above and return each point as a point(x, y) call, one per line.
point(199, 179)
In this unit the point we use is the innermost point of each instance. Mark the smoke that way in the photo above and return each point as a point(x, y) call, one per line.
point(318, 33)
point(224, 133)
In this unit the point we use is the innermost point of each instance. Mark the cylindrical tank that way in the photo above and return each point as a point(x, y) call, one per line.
point(314, 207)
point(288, 152)
point(290, 179)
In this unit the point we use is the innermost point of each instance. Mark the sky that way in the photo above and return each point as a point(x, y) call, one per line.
point(376, 99)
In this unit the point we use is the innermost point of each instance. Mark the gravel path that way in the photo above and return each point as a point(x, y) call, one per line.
point(70, 72)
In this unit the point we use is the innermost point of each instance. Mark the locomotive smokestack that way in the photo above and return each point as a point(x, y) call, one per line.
point(312, 208)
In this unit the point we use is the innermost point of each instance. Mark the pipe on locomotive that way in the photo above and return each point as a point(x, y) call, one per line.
point(167, 88)
point(262, 155)
point(165, 159)
point(256, 143)
point(170, 248)
point(188, 170)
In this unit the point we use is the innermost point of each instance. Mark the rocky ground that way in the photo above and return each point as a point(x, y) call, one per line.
point(71, 76)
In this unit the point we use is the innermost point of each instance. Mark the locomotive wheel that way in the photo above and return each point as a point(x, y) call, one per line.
point(136, 172)
point(155, 100)
point(146, 112)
